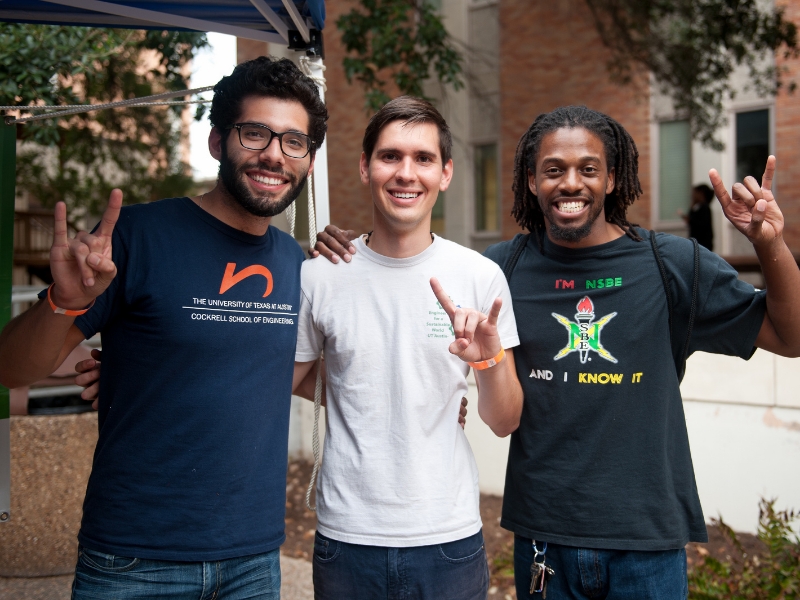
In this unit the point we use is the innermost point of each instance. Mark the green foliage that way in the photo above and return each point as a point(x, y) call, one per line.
point(402, 40)
point(692, 47)
point(775, 573)
point(78, 159)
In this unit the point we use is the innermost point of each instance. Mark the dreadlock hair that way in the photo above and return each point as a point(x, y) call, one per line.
point(621, 155)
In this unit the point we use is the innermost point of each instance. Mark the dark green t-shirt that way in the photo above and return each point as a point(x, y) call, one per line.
point(601, 457)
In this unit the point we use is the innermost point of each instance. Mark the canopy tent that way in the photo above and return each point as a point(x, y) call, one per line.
point(294, 23)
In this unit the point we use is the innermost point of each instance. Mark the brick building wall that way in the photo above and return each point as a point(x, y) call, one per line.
point(551, 55)
point(787, 136)
point(351, 206)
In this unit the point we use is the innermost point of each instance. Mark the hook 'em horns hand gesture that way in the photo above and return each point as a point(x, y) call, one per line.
point(753, 209)
point(82, 268)
point(476, 334)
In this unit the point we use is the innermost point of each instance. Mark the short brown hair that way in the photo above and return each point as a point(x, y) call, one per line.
point(410, 110)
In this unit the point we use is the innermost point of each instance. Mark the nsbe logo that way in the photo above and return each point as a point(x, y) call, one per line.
point(230, 279)
point(584, 336)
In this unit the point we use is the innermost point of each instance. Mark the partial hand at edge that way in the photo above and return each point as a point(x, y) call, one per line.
point(89, 377)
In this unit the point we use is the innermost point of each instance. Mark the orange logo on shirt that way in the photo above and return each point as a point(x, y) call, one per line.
point(230, 279)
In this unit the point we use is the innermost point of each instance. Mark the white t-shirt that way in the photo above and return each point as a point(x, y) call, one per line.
point(398, 470)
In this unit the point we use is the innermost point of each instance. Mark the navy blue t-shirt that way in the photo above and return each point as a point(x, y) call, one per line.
point(199, 331)
point(601, 457)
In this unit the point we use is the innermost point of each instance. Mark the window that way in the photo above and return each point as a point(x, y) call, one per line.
point(752, 143)
point(483, 61)
point(675, 169)
point(487, 208)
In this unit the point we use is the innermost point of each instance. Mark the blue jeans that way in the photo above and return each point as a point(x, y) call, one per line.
point(452, 571)
point(585, 573)
point(100, 576)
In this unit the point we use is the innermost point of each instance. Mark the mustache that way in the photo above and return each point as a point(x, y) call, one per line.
point(578, 196)
point(268, 168)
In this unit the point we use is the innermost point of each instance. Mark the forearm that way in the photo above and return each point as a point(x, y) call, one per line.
point(34, 345)
point(305, 380)
point(782, 281)
point(500, 396)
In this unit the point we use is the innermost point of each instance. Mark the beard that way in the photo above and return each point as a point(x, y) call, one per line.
point(267, 204)
point(573, 234)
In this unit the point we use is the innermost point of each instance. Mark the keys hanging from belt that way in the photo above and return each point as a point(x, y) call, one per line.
point(540, 572)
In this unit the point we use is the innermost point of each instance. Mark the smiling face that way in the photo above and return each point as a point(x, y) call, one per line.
point(263, 182)
point(405, 175)
point(571, 182)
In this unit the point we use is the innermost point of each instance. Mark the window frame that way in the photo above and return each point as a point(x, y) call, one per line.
point(657, 223)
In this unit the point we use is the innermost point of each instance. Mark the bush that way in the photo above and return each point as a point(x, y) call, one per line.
point(773, 573)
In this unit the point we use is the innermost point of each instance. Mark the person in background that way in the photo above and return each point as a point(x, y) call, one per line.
point(699, 217)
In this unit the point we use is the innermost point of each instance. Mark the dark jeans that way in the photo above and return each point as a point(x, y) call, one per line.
point(452, 571)
point(584, 573)
point(100, 576)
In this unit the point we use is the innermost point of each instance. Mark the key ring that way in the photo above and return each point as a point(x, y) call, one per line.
point(537, 552)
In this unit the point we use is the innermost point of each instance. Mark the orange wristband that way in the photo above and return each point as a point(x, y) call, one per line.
point(64, 311)
point(489, 362)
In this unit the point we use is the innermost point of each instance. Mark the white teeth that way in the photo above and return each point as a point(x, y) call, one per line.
point(571, 207)
point(405, 196)
point(267, 180)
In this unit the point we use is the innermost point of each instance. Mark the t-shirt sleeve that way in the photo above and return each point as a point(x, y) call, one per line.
point(506, 322)
point(499, 253)
point(730, 312)
point(310, 340)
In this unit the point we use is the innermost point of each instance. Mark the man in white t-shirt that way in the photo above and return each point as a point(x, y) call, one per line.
point(397, 497)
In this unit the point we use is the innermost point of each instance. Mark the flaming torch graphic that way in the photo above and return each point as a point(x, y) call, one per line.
point(584, 317)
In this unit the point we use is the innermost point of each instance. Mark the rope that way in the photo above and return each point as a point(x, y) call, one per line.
point(35, 107)
point(291, 215)
point(312, 240)
point(312, 214)
point(315, 436)
point(310, 68)
point(91, 107)
point(305, 67)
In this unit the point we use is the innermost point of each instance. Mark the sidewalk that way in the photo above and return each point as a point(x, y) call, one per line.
point(295, 578)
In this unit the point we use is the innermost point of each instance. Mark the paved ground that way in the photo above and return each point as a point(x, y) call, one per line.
point(295, 574)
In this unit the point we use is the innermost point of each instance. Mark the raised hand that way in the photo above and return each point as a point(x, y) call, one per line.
point(476, 333)
point(81, 266)
point(333, 243)
point(753, 209)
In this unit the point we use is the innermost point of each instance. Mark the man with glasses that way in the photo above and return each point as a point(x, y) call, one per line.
point(197, 301)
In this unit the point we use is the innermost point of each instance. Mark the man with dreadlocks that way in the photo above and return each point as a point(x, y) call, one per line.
point(600, 484)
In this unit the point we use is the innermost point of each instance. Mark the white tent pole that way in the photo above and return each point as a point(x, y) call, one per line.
point(297, 19)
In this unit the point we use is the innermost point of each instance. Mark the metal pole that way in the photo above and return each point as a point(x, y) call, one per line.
point(8, 159)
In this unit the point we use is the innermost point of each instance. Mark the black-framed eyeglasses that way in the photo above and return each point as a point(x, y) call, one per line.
point(255, 136)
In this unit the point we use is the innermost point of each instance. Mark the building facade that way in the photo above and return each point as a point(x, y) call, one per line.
point(524, 58)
